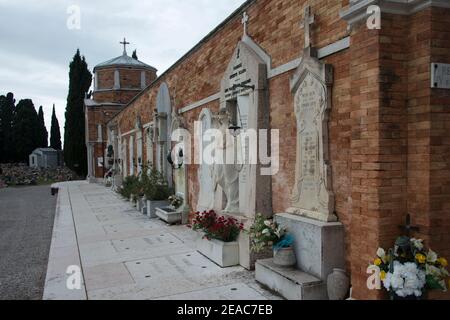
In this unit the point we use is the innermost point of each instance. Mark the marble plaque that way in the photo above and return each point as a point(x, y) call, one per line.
point(440, 75)
point(311, 195)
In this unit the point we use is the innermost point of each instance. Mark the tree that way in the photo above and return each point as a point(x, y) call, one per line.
point(42, 130)
point(25, 128)
point(80, 78)
point(7, 108)
point(134, 55)
point(55, 134)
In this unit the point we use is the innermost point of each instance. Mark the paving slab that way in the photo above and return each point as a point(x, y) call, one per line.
point(124, 255)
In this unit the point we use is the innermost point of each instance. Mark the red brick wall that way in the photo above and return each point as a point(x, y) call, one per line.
point(439, 221)
point(105, 79)
point(99, 115)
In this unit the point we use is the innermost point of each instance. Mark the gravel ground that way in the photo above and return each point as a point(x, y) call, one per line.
point(26, 224)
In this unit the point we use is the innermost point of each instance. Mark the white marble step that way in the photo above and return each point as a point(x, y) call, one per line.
point(292, 284)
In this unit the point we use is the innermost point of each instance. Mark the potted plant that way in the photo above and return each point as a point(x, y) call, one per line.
point(175, 201)
point(218, 237)
point(129, 188)
point(171, 213)
point(266, 233)
point(156, 191)
point(409, 270)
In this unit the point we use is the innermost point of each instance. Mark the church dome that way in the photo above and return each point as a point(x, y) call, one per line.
point(120, 79)
point(124, 61)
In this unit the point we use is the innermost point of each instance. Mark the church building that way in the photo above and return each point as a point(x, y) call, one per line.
point(353, 97)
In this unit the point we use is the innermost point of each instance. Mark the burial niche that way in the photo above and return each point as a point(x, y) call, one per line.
point(163, 122)
point(311, 86)
point(244, 101)
point(206, 196)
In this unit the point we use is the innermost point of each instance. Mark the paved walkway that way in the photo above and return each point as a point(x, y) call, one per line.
point(125, 255)
point(26, 222)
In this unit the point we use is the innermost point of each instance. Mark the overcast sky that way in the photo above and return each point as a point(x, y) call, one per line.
point(37, 46)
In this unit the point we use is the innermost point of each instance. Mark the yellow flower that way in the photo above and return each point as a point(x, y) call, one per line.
point(421, 258)
point(383, 275)
point(443, 262)
point(378, 262)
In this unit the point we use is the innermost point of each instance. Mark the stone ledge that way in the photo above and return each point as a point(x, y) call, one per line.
point(319, 246)
point(292, 284)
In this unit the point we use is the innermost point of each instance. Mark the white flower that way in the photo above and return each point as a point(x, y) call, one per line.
point(406, 280)
point(266, 231)
point(381, 253)
point(432, 270)
point(268, 223)
point(417, 243)
point(387, 281)
point(432, 256)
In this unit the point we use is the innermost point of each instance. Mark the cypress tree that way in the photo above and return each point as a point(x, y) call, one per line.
point(7, 108)
point(25, 129)
point(75, 152)
point(55, 135)
point(42, 130)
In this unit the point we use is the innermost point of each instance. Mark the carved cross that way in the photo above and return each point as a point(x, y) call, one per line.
point(245, 19)
point(124, 45)
point(308, 20)
point(408, 227)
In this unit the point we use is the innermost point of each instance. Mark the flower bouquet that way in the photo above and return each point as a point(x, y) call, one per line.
point(216, 227)
point(408, 270)
point(175, 201)
point(267, 233)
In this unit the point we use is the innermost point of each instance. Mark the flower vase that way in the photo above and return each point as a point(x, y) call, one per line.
point(338, 285)
point(284, 257)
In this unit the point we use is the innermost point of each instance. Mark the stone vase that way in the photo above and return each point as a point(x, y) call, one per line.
point(338, 285)
point(285, 257)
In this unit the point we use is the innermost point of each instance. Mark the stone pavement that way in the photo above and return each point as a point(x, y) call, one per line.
point(125, 255)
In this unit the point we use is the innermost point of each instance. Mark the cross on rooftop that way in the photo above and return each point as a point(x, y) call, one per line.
point(124, 46)
point(308, 20)
point(245, 19)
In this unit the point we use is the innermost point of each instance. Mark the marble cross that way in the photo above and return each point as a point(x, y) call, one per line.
point(124, 45)
point(308, 20)
point(245, 19)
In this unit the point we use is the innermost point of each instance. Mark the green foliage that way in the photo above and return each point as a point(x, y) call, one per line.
point(154, 185)
point(7, 109)
point(265, 233)
point(55, 134)
point(130, 186)
point(25, 130)
point(42, 130)
point(75, 152)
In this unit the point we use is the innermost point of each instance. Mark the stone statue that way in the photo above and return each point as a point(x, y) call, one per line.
point(225, 174)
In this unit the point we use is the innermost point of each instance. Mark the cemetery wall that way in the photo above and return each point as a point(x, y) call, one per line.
point(388, 141)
